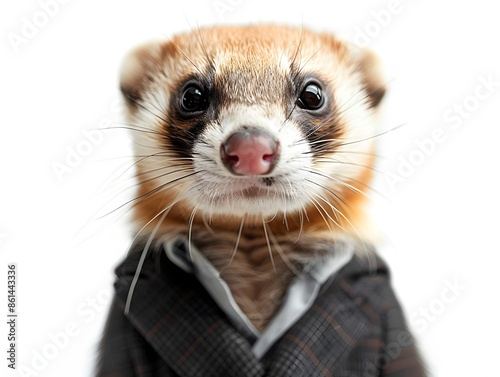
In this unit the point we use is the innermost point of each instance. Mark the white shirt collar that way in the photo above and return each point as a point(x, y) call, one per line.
point(300, 295)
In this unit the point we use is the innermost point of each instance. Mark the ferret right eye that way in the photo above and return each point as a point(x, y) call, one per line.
point(311, 97)
point(194, 99)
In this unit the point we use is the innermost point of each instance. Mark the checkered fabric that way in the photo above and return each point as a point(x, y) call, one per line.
point(354, 329)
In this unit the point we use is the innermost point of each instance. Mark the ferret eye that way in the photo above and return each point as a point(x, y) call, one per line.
point(311, 98)
point(194, 99)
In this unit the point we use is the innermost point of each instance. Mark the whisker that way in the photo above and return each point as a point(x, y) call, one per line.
point(331, 160)
point(350, 187)
point(235, 249)
point(332, 149)
point(345, 184)
point(207, 222)
point(314, 202)
point(209, 61)
point(287, 118)
point(370, 257)
point(117, 181)
point(282, 254)
point(364, 184)
point(268, 244)
point(376, 155)
point(374, 136)
point(142, 106)
point(325, 188)
point(131, 127)
point(158, 154)
point(365, 96)
point(334, 209)
point(186, 167)
point(298, 49)
point(342, 142)
point(301, 222)
point(144, 253)
point(272, 218)
point(168, 156)
point(151, 192)
point(139, 183)
point(285, 221)
point(185, 56)
point(298, 72)
point(190, 231)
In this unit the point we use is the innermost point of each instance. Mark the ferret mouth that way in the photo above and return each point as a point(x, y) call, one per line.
point(251, 189)
point(247, 195)
point(253, 192)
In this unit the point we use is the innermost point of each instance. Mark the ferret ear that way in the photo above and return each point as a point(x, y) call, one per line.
point(372, 75)
point(136, 70)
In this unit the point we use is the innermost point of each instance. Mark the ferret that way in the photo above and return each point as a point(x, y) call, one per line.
point(253, 255)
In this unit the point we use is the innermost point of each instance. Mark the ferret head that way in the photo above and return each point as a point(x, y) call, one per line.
point(263, 122)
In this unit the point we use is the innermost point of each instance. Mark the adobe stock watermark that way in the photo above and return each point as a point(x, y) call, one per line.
point(60, 340)
point(454, 118)
point(32, 25)
point(389, 352)
point(221, 7)
point(420, 321)
point(380, 19)
point(427, 314)
point(91, 139)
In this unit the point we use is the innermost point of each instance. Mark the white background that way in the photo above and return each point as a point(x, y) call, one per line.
point(439, 221)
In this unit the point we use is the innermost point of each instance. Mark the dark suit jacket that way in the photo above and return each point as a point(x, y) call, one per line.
point(354, 329)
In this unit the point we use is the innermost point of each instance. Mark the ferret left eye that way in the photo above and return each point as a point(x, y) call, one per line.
point(194, 99)
point(311, 98)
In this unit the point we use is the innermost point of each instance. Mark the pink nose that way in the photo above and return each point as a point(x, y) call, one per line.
point(252, 152)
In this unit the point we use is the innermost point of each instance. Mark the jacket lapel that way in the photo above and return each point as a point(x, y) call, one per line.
point(177, 317)
point(338, 335)
point(319, 342)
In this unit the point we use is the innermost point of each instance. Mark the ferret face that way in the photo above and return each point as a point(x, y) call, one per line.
point(257, 122)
